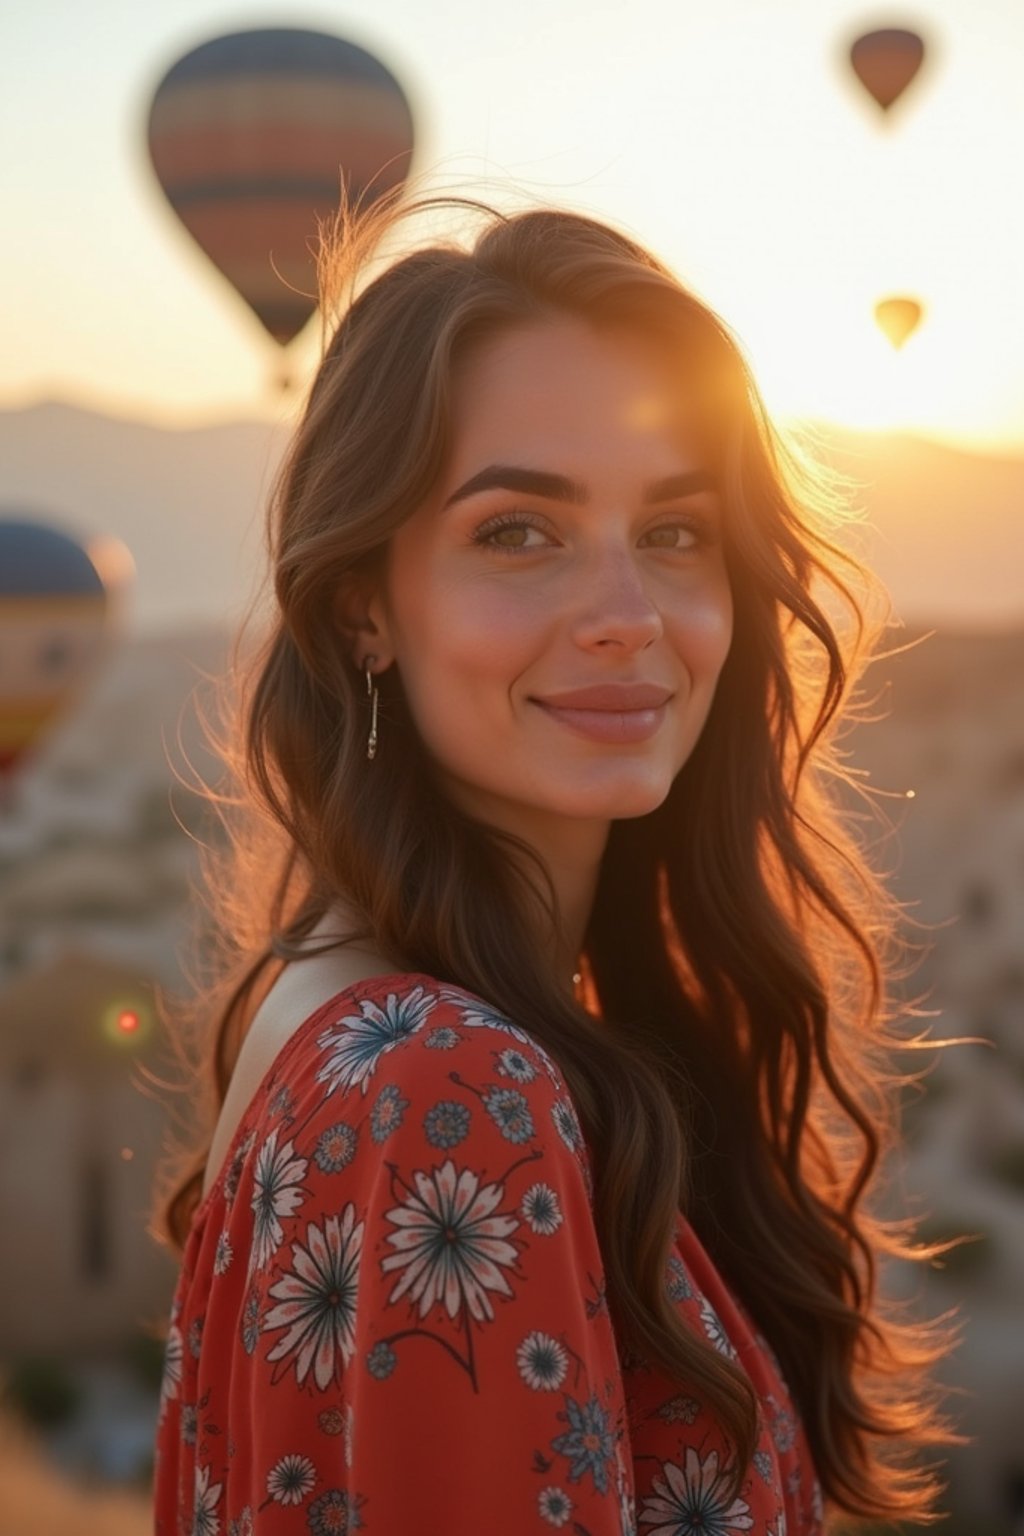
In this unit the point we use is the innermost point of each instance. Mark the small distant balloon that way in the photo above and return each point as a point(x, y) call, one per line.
point(54, 607)
point(886, 61)
point(250, 136)
point(898, 318)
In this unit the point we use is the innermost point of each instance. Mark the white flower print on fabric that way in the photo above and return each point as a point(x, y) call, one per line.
point(291, 1479)
point(451, 1244)
point(223, 1255)
point(356, 1043)
point(678, 1283)
point(542, 1362)
point(243, 1525)
point(476, 1014)
point(444, 1038)
point(317, 1300)
point(555, 1506)
point(234, 1173)
point(779, 1527)
point(174, 1351)
point(276, 1192)
point(566, 1120)
point(205, 1520)
point(624, 1491)
point(712, 1325)
point(692, 1501)
point(541, 1210)
point(514, 1064)
point(567, 1125)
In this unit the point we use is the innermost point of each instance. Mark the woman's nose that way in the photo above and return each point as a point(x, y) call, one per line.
point(615, 607)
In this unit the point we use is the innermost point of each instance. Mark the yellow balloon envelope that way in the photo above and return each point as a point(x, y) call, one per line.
point(898, 318)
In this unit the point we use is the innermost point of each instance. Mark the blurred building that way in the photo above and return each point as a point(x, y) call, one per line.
point(79, 1135)
point(948, 759)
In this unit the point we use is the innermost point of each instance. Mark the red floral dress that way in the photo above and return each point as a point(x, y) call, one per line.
point(391, 1312)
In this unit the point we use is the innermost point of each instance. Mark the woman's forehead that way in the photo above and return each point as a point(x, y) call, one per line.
point(562, 386)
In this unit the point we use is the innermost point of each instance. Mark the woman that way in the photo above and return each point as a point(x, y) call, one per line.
point(546, 1058)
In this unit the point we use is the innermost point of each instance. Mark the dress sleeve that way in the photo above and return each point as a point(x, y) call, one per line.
point(434, 1304)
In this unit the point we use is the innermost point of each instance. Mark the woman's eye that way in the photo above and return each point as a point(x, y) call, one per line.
point(672, 536)
point(511, 534)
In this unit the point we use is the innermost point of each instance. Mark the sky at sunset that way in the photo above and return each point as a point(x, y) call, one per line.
point(731, 137)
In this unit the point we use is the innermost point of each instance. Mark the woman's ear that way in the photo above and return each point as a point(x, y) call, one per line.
point(361, 619)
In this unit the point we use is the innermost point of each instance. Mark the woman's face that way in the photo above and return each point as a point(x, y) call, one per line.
point(559, 611)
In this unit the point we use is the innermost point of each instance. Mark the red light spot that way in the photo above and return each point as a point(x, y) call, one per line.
point(127, 1021)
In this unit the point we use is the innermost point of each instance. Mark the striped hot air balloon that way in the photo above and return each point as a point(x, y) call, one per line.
point(250, 136)
point(54, 595)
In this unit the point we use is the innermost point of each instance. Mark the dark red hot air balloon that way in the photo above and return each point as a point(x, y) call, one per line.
point(886, 61)
point(250, 135)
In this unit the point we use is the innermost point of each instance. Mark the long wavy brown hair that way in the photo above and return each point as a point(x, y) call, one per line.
point(740, 953)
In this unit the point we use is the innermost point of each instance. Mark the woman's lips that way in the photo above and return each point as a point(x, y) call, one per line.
point(608, 725)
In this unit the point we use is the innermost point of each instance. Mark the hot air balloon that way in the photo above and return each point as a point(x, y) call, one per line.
point(885, 62)
point(250, 136)
point(898, 318)
point(54, 601)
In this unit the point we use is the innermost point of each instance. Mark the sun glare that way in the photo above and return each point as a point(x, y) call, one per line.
point(853, 375)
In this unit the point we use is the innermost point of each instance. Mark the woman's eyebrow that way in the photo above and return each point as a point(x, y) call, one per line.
point(538, 482)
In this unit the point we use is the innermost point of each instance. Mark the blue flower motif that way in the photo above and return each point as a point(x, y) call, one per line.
point(251, 1322)
point(381, 1361)
point(447, 1123)
point(510, 1111)
point(763, 1463)
point(588, 1443)
point(388, 1112)
point(335, 1148)
point(332, 1513)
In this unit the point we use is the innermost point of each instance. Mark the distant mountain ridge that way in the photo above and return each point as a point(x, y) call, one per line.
point(946, 535)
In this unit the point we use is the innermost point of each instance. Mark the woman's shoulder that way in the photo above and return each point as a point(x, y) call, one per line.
point(338, 1032)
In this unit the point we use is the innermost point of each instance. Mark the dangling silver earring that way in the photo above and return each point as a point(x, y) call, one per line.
point(371, 694)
